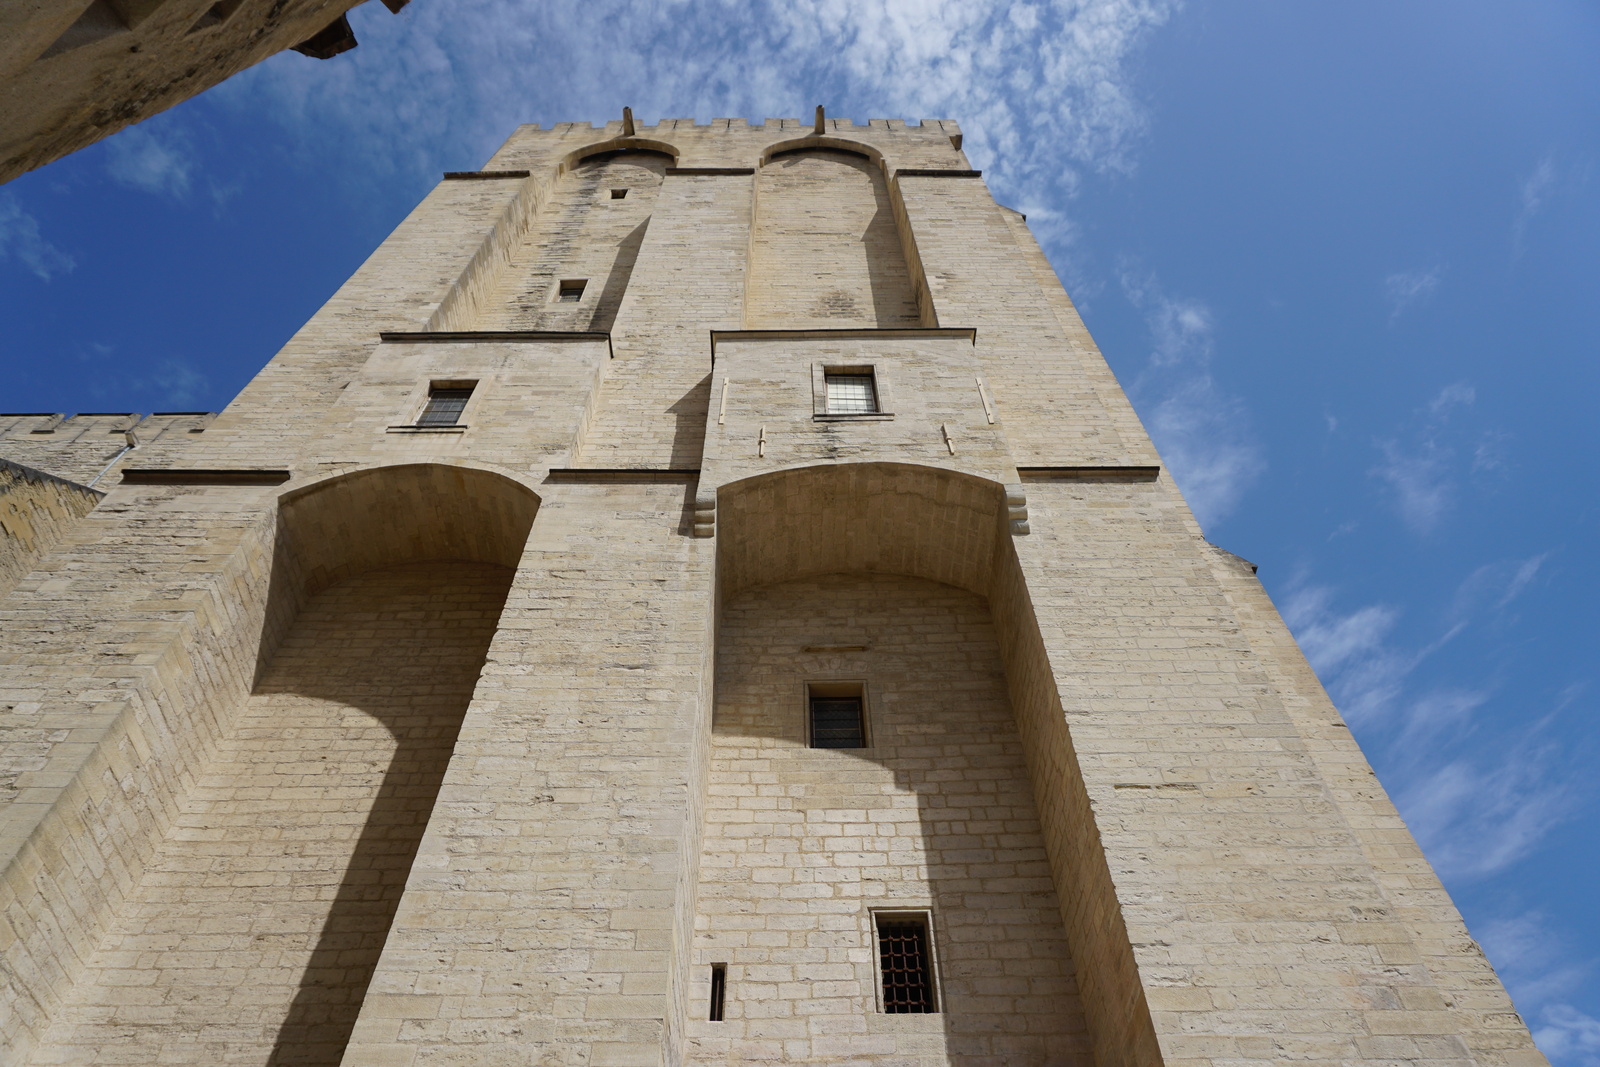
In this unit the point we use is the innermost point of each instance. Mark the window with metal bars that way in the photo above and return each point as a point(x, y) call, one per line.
point(854, 393)
point(836, 715)
point(571, 290)
point(905, 964)
point(445, 404)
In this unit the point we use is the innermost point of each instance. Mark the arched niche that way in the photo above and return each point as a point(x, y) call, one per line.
point(900, 518)
point(871, 581)
point(826, 249)
point(837, 144)
point(380, 516)
point(386, 590)
point(619, 144)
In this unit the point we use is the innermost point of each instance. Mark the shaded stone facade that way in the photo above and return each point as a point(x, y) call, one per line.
point(74, 72)
point(447, 699)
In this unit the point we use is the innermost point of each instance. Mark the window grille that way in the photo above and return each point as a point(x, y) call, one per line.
point(836, 722)
point(905, 965)
point(445, 405)
point(719, 991)
point(571, 291)
point(851, 394)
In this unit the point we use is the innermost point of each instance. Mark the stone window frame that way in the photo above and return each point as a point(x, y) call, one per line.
point(562, 287)
point(861, 687)
point(417, 402)
point(880, 382)
point(900, 913)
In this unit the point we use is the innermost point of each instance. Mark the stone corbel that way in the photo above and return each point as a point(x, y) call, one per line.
point(705, 513)
point(1017, 509)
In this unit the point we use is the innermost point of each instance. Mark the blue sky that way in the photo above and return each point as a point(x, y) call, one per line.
point(1342, 256)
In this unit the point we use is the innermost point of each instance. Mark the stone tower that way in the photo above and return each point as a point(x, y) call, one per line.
point(695, 596)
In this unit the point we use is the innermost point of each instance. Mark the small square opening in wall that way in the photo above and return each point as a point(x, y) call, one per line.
point(836, 715)
point(571, 290)
point(446, 402)
point(905, 963)
point(851, 392)
point(619, 194)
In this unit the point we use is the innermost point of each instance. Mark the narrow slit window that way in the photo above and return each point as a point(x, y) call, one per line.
point(445, 404)
point(571, 291)
point(719, 991)
point(854, 393)
point(619, 194)
point(905, 964)
point(836, 716)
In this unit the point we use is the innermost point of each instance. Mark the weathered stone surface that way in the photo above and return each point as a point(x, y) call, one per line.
point(71, 73)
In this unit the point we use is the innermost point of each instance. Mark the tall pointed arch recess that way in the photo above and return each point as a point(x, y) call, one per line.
point(828, 246)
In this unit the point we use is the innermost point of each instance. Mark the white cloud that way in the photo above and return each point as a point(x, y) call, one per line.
point(1419, 472)
point(141, 158)
point(1042, 90)
point(1569, 1036)
point(1496, 585)
point(1476, 819)
point(21, 240)
point(1533, 194)
point(175, 380)
point(1201, 431)
point(1349, 652)
point(1533, 960)
point(1407, 287)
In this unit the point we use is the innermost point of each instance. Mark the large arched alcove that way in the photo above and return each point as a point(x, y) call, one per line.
point(825, 250)
point(255, 927)
point(872, 575)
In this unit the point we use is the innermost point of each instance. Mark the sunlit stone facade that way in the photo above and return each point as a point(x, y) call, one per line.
point(683, 564)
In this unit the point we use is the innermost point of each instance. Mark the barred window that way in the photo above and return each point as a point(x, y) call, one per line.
point(446, 402)
point(571, 290)
point(905, 964)
point(851, 394)
point(836, 715)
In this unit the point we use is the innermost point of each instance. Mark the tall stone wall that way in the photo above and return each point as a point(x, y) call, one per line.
point(1095, 757)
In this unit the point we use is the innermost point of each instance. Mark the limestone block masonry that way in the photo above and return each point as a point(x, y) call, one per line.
point(684, 564)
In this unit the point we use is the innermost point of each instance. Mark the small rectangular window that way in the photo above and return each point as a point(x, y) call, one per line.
point(854, 393)
point(571, 290)
point(905, 964)
point(719, 991)
point(619, 194)
point(836, 715)
point(446, 402)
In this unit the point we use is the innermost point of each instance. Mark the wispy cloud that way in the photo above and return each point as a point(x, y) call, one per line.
point(1474, 819)
point(1203, 433)
point(1569, 1035)
point(156, 162)
point(1533, 960)
point(1408, 287)
point(1474, 815)
point(1042, 89)
point(1533, 195)
point(1418, 471)
point(21, 240)
point(176, 381)
point(1350, 652)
